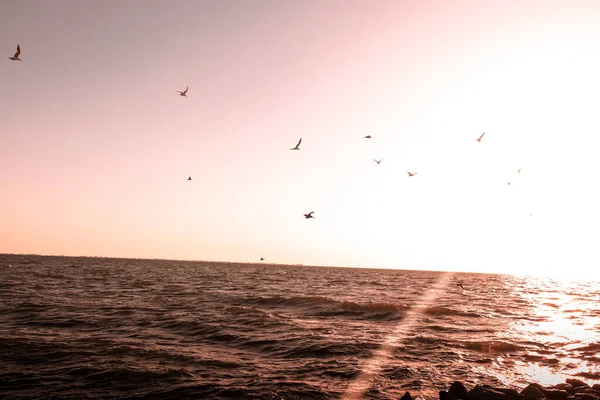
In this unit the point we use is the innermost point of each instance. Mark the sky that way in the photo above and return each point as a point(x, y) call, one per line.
point(96, 145)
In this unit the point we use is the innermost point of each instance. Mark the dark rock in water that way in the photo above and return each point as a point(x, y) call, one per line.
point(531, 392)
point(557, 394)
point(540, 388)
point(585, 389)
point(406, 396)
point(486, 392)
point(448, 396)
point(458, 391)
point(564, 386)
point(511, 394)
point(576, 382)
point(587, 396)
point(573, 389)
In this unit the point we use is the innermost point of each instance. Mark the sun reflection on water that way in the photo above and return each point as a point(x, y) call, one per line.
point(563, 320)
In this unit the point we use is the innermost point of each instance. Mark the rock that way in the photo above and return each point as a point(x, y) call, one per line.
point(564, 386)
point(458, 390)
point(531, 392)
point(587, 396)
point(406, 396)
point(486, 392)
point(576, 382)
point(511, 394)
point(557, 394)
point(446, 395)
point(585, 389)
point(539, 387)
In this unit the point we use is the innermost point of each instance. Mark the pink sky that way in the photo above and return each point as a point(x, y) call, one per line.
point(96, 145)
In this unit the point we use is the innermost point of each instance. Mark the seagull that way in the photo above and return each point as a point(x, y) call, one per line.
point(183, 93)
point(189, 179)
point(378, 162)
point(411, 174)
point(368, 137)
point(309, 215)
point(16, 56)
point(479, 140)
point(298, 145)
point(459, 284)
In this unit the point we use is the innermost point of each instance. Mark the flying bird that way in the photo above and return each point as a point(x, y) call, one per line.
point(309, 215)
point(479, 139)
point(298, 145)
point(184, 93)
point(189, 179)
point(459, 284)
point(410, 173)
point(378, 162)
point(262, 259)
point(508, 183)
point(519, 171)
point(16, 56)
point(368, 137)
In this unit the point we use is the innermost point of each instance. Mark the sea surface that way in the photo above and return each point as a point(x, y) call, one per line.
point(101, 328)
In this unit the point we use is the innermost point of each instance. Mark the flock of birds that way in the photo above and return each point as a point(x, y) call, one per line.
point(297, 147)
point(309, 215)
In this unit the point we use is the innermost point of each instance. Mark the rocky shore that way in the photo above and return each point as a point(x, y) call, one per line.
point(572, 389)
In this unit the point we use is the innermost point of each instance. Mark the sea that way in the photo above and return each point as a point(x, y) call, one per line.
point(106, 328)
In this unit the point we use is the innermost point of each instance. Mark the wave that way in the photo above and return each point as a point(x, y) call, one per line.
point(326, 306)
point(592, 347)
point(441, 310)
point(331, 349)
point(255, 317)
point(492, 346)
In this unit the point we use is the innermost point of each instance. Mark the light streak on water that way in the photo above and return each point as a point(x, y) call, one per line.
point(373, 365)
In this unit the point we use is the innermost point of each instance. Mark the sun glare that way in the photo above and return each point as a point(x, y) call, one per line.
point(559, 322)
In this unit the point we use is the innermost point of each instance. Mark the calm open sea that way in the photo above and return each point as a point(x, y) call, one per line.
point(97, 328)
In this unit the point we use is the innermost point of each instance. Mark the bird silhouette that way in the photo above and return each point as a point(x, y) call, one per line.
point(378, 162)
point(459, 284)
point(309, 215)
point(189, 179)
point(262, 259)
point(297, 146)
point(479, 139)
point(410, 173)
point(184, 93)
point(16, 56)
point(368, 137)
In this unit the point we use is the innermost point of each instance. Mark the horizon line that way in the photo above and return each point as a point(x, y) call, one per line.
point(247, 262)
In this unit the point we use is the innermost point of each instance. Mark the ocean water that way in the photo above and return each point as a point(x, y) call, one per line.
point(98, 328)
